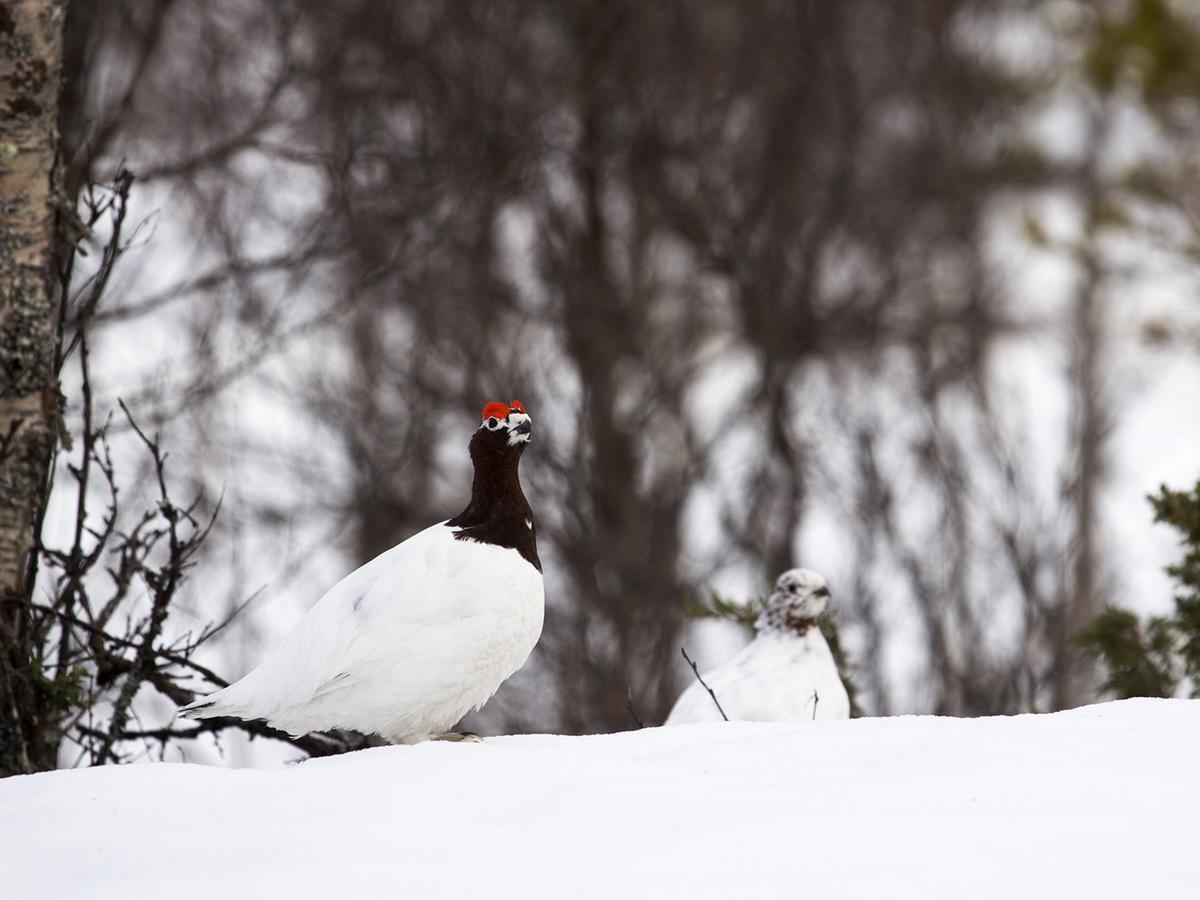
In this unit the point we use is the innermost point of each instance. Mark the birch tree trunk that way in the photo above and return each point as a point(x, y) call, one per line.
point(30, 73)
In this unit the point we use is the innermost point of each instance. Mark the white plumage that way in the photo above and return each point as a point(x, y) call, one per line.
point(412, 641)
point(787, 673)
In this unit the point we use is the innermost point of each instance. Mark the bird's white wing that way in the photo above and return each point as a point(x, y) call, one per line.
point(404, 630)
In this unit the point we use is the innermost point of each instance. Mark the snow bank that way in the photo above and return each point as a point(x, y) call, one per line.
point(1098, 802)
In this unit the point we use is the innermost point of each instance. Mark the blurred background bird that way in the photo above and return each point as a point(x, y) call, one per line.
point(787, 673)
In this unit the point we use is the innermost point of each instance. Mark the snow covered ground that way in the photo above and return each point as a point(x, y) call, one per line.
point(1097, 802)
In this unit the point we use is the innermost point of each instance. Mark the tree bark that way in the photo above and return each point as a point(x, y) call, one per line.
point(30, 75)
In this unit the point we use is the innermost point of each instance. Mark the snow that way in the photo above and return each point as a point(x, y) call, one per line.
point(1102, 801)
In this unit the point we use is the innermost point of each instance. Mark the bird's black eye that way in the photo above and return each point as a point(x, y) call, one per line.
point(491, 422)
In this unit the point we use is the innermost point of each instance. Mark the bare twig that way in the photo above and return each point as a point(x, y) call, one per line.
point(316, 744)
point(211, 630)
point(118, 205)
point(703, 684)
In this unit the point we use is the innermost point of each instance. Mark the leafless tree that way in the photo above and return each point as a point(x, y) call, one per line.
point(93, 620)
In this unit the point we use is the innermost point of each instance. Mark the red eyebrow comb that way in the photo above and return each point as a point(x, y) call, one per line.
point(499, 410)
point(518, 406)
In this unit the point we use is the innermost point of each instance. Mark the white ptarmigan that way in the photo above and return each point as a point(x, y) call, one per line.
point(424, 633)
point(787, 673)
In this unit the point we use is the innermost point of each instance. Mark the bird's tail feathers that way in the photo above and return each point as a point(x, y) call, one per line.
point(204, 708)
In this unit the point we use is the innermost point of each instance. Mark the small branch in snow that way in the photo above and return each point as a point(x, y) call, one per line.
point(696, 672)
point(315, 744)
point(816, 700)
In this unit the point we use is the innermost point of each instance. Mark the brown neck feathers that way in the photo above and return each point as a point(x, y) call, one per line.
point(498, 512)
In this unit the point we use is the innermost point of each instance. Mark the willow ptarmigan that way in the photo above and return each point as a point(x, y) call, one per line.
point(424, 633)
point(786, 673)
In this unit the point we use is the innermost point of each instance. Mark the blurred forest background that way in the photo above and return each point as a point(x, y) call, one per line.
point(901, 292)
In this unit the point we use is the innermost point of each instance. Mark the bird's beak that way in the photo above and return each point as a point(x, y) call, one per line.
point(520, 429)
point(821, 592)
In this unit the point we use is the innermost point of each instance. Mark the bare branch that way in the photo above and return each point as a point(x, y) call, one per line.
point(704, 684)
